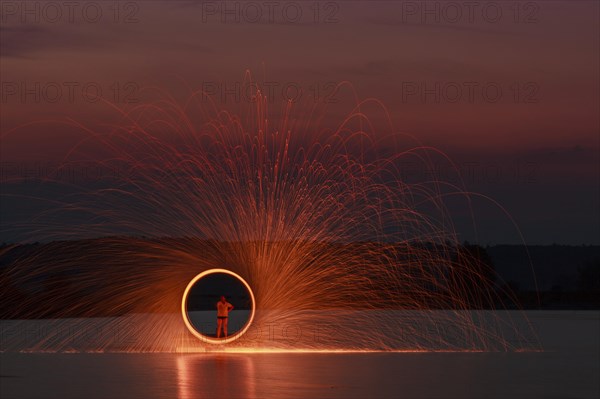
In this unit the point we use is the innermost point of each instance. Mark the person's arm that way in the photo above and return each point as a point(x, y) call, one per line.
point(230, 307)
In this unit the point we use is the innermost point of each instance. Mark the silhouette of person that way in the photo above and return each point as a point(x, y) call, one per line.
point(223, 309)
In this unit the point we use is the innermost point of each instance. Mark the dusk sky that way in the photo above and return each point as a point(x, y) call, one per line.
point(509, 90)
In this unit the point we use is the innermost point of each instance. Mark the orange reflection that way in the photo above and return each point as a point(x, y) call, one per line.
point(215, 376)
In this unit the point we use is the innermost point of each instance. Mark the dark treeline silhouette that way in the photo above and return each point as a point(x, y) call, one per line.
point(52, 279)
point(566, 276)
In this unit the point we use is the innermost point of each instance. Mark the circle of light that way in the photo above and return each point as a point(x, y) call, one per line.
point(206, 338)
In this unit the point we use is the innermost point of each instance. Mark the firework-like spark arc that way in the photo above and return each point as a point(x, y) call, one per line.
point(338, 249)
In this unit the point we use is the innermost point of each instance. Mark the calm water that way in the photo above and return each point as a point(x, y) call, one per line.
point(417, 375)
point(568, 368)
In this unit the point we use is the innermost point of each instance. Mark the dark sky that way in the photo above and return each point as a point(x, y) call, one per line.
point(509, 90)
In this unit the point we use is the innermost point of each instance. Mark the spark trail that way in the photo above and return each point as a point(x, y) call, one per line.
point(341, 252)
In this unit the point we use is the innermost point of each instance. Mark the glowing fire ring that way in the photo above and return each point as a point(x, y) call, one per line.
point(206, 338)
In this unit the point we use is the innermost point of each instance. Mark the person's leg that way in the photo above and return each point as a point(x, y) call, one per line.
point(225, 327)
point(219, 325)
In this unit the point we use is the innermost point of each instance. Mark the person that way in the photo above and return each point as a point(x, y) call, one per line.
point(223, 309)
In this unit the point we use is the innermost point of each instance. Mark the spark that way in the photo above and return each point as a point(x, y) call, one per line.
point(343, 254)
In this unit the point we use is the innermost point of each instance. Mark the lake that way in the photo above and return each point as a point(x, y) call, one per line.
point(568, 367)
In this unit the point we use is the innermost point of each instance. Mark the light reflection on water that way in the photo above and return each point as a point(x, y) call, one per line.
point(283, 375)
point(385, 375)
point(300, 375)
point(215, 376)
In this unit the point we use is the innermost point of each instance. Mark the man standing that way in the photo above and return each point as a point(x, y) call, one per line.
point(223, 309)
